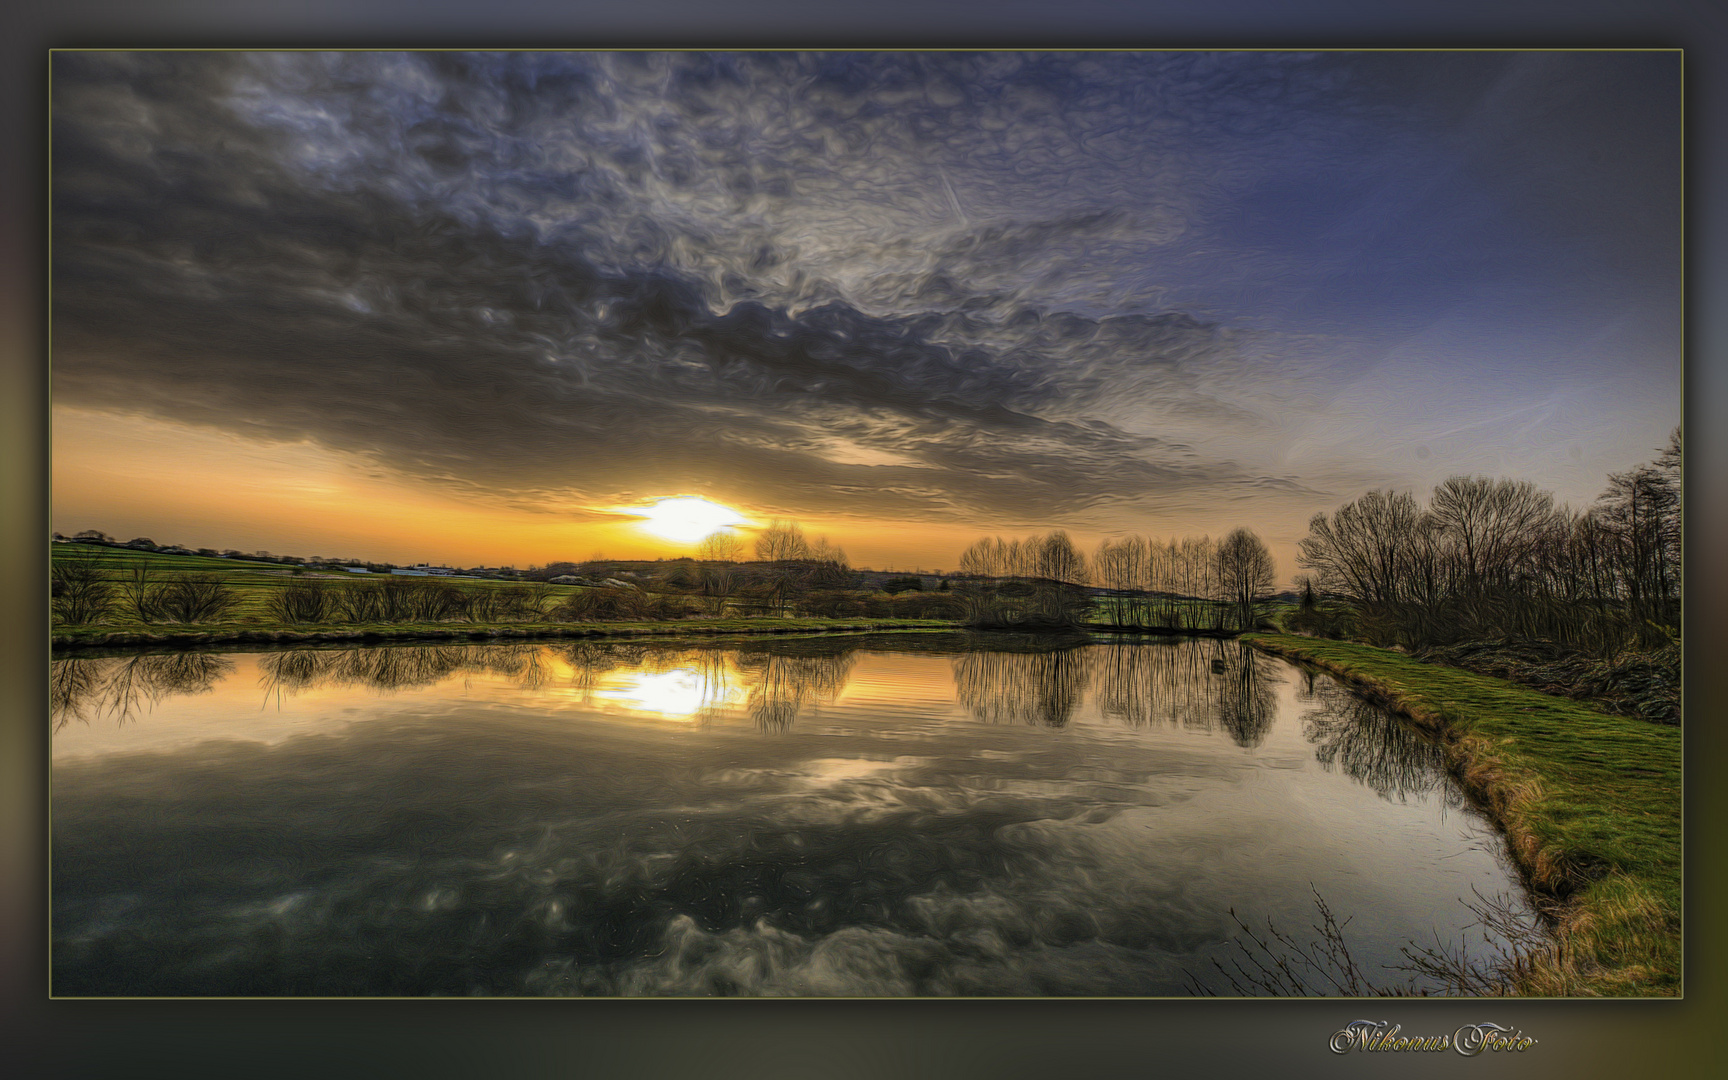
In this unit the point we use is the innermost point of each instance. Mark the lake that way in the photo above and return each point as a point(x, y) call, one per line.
point(930, 814)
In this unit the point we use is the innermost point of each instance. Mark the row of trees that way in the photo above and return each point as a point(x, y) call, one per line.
point(1187, 584)
point(793, 573)
point(1500, 558)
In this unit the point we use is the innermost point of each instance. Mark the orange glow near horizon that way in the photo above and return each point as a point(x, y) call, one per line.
point(177, 484)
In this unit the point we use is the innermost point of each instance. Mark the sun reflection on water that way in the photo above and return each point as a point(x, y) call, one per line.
point(682, 693)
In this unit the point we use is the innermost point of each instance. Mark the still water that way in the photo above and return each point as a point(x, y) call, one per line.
point(889, 815)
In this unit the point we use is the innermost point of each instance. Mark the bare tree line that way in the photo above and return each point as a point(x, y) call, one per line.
point(1499, 558)
point(1183, 584)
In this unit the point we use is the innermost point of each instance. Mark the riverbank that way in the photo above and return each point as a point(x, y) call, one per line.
point(1589, 802)
point(190, 637)
point(1158, 631)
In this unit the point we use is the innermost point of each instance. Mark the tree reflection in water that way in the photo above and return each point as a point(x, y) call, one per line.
point(82, 687)
point(1246, 700)
point(1022, 687)
point(397, 668)
point(1198, 685)
point(1203, 685)
point(778, 681)
point(784, 684)
point(593, 661)
point(1386, 754)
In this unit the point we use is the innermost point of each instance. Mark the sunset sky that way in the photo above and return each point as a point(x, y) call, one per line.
point(475, 308)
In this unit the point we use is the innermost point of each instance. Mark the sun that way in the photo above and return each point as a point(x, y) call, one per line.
point(687, 518)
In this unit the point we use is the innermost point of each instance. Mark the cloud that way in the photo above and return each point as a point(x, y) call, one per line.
point(522, 273)
point(893, 285)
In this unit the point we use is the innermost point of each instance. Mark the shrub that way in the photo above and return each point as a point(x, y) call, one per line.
point(356, 603)
point(196, 598)
point(929, 606)
point(80, 591)
point(524, 602)
point(1040, 605)
point(603, 605)
point(142, 595)
point(302, 602)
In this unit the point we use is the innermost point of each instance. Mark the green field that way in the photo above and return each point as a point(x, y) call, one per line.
point(1590, 804)
point(253, 581)
point(252, 620)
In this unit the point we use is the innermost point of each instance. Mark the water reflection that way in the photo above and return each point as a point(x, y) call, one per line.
point(1022, 688)
point(590, 662)
point(776, 684)
point(783, 685)
point(1207, 686)
point(685, 687)
point(1198, 685)
point(1215, 683)
point(398, 668)
point(83, 687)
point(932, 817)
point(1389, 756)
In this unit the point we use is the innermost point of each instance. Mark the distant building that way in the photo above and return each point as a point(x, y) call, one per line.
point(356, 569)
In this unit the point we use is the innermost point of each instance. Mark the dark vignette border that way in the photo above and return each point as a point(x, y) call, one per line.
point(840, 1039)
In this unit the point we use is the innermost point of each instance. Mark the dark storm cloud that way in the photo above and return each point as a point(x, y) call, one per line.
point(890, 284)
point(578, 274)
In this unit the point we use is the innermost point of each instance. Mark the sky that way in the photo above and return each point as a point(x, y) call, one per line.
point(476, 308)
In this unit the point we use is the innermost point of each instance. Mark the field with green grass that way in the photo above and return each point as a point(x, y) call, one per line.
point(1590, 804)
point(252, 617)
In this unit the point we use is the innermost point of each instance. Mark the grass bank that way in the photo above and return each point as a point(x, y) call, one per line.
point(1589, 802)
point(193, 636)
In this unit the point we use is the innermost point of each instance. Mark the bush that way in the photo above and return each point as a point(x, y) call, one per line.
point(356, 603)
point(302, 602)
point(521, 602)
point(924, 605)
point(836, 604)
point(603, 605)
point(195, 598)
point(80, 591)
point(1024, 605)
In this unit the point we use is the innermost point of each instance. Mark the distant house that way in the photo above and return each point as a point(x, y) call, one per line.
point(356, 569)
point(404, 571)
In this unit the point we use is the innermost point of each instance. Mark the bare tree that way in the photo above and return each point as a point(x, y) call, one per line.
point(1360, 551)
point(781, 541)
point(717, 579)
point(782, 544)
point(1491, 524)
point(1245, 575)
point(722, 545)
